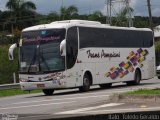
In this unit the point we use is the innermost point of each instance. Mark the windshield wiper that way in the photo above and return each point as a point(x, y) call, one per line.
point(44, 60)
point(33, 59)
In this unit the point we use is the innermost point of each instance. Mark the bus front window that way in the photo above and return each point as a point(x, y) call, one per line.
point(40, 51)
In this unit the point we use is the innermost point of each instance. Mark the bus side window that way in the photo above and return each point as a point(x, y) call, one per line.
point(71, 46)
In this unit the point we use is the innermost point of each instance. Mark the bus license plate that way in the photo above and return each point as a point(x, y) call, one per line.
point(40, 85)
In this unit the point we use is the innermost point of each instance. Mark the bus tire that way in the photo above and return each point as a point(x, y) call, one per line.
point(107, 85)
point(48, 92)
point(137, 78)
point(86, 83)
point(158, 77)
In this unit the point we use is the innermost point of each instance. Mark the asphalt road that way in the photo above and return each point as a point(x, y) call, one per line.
point(71, 102)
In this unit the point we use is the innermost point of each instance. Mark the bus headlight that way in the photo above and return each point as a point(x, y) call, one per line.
point(23, 80)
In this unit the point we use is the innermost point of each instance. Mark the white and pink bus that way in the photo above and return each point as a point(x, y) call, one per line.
point(78, 54)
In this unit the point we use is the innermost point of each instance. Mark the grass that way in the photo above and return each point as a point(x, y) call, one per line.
point(12, 92)
point(144, 92)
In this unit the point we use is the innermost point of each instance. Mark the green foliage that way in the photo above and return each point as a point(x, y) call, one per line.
point(121, 18)
point(144, 92)
point(18, 6)
point(141, 22)
point(52, 17)
point(68, 13)
point(7, 67)
point(157, 46)
point(8, 40)
point(20, 14)
point(95, 16)
point(12, 92)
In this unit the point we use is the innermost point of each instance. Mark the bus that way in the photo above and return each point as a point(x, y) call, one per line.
point(80, 53)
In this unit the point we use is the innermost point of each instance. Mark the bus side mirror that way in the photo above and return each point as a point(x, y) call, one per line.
point(11, 50)
point(63, 48)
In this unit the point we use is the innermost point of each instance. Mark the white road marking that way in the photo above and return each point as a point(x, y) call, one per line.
point(5, 108)
point(89, 108)
point(98, 96)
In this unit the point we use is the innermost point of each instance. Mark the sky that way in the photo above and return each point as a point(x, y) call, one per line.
point(89, 6)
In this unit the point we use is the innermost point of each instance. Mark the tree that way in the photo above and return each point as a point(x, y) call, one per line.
point(95, 16)
point(68, 13)
point(21, 10)
point(72, 11)
point(121, 18)
point(52, 17)
point(16, 5)
point(141, 22)
point(5, 19)
point(63, 13)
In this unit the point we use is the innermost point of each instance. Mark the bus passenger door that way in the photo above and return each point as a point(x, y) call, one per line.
point(73, 68)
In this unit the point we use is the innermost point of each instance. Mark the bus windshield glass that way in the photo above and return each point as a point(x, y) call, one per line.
point(40, 51)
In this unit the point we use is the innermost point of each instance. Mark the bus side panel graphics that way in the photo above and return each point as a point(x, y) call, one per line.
point(134, 59)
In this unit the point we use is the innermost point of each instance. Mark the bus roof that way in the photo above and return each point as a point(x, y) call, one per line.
point(84, 23)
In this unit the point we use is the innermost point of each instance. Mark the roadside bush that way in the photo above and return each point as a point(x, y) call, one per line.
point(5, 40)
point(7, 67)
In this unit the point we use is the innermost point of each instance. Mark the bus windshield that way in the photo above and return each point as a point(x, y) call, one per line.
point(40, 51)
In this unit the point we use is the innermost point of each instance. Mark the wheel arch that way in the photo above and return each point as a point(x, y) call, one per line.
point(89, 73)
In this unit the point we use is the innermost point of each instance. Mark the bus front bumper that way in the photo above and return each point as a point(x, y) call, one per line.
point(42, 85)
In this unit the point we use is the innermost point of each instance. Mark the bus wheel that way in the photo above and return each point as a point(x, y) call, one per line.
point(86, 83)
point(158, 77)
point(108, 85)
point(48, 91)
point(137, 78)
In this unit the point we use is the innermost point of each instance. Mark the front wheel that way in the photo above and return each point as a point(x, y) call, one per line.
point(48, 91)
point(86, 84)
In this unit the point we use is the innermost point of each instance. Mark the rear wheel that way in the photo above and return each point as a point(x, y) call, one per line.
point(158, 77)
point(86, 83)
point(48, 91)
point(108, 85)
point(137, 79)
